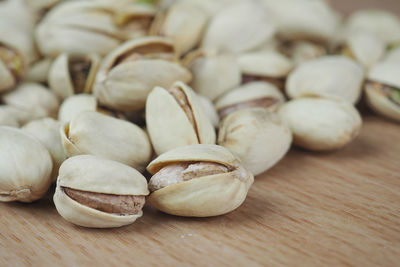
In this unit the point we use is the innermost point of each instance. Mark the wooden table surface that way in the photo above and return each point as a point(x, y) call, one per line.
point(336, 208)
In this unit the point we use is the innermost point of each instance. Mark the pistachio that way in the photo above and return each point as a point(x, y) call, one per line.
point(209, 110)
point(7, 118)
point(11, 67)
point(240, 18)
point(256, 136)
point(175, 118)
point(301, 51)
point(20, 181)
point(100, 135)
point(73, 75)
point(213, 74)
point(39, 70)
point(47, 131)
point(329, 76)
point(184, 22)
point(198, 181)
point(383, 89)
point(128, 74)
point(393, 55)
point(73, 105)
point(251, 95)
point(32, 101)
point(99, 193)
point(321, 123)
point(303, 19)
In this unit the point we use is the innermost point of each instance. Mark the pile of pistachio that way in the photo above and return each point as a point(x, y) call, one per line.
point(179, 102)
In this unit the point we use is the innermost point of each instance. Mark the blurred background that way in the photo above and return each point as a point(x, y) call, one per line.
point(348, 6)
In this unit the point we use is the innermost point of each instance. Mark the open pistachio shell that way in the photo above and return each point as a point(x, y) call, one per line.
point(209, 109)
point(302, 50)
point(320, 123)
point(213, 74)
point(250, 95)
point(233, 29)
point(39, 71)
point(383, 89)
point(175, 118)
point(207, 192)
point(303, 19)
point(47, 131)
point(12, 67)
point(73, 105)
point(25, 166)
point(380, 22)
point(256, 136)
point(329, 76)
point(73, 75)
point(101, 135)
point(128, 74)
point(99, 185)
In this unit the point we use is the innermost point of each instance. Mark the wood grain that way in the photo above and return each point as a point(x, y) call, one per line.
point(337, 208)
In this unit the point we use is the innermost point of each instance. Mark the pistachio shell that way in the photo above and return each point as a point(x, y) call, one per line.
point(39, 71)
point(208, 195)
point(380, 22)
point(386, 73)
point(209, 110)
point(302, 51)
point(6, 77)
point(250, 95)
point(124, 85)
point(169, 125)
point(329, 76)
point(213, 75)
point(74, 105)
point(303, 19)
point(256, 136)
point(61, 74)
point(264, 63)
point(7, 118)
point(393, 55)
point(33, 101)
point(321, 123)
point(91, 174)
point(233, 29)
point(25, 166)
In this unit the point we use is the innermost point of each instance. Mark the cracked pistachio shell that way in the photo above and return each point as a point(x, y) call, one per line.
point(380, 22)
point(7, 118)
point(32, 101)
point(264, 64)
point(47, 131)
point(12, 67)
point(73, 105)
point(213, 74)
point(209, 110)
point(101, 135)
point(97, 175)
point(320, 123)
point(204, 196)
point(25, 166)
point(183, 22)
point(383, 96)
point(173, 122)
point(256, 136)
point(302, 51)
point(303, 19)
point(90, 22)
point(250, 95)
point(240, 27)
point(393, 55)
point(329, 76)
point(39, 71)
point(72, 75)
point(128, 74)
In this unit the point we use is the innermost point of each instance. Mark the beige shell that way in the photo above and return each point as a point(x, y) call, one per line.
point(209, 195)
point(383, 84)
point(329, 76)
point(47, 131)
point(209, 110)
point(303, 19)
point(393, 55)
point(7, 118)
point(39, 71)
point(184, 22)
point(302, 50)
point(12, 67)
point(101, 135)
point(73, 105)
point(33, 101)
point(253, 94)
point(25, 166)
point(72, 75)
point(264, 64)
point(170, 126)
point(239, 27)
point(380, 22)
point(321, 123)
point(128, 74)
point(213, 74)
point(92, 174)
point(256, 136)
